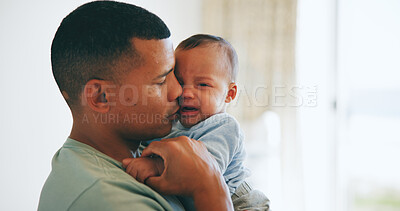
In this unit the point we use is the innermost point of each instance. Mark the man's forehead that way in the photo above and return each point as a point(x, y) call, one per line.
point(154, 46)
point(158, 55)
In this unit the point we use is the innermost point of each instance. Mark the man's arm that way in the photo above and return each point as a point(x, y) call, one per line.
point(189, 170)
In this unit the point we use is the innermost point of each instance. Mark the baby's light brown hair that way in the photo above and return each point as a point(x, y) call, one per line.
point(201, 40)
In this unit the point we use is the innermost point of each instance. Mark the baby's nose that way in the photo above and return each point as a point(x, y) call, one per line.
point(187, 92)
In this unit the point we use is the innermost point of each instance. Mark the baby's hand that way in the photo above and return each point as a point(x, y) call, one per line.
point(143, 168)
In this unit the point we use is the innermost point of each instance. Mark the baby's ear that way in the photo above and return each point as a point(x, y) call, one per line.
point(232, 90)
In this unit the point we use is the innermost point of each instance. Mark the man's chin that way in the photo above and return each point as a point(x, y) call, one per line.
point(160, 131)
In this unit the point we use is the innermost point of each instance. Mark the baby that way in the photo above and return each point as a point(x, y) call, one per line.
point(206, 67)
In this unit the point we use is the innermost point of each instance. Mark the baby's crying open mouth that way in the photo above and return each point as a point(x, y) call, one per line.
point(187, 109)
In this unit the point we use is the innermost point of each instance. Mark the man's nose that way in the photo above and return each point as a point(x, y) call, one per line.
point(174, 89)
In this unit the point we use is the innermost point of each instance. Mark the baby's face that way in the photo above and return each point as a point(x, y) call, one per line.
point(204, 75)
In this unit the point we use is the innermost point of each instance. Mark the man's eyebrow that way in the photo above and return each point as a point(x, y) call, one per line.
point(165, 74)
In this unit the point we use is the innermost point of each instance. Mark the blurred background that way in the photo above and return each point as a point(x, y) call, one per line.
point(319, 96)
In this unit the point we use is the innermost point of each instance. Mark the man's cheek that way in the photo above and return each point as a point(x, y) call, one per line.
point(129, 95)
point(150, 94)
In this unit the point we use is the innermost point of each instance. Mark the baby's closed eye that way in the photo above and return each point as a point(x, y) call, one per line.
point(204, 85)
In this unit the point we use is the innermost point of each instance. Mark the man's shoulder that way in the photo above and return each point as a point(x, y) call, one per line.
point(76, 160)
point(120, 194)
point(82, 177)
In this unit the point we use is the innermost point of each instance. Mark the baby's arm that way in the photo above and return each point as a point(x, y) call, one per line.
point(143, 168)
point(224, 140)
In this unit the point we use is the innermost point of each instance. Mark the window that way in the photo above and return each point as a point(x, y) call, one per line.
point(369, 105)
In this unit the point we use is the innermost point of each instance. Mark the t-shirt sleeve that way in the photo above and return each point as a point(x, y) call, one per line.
point(109, 195)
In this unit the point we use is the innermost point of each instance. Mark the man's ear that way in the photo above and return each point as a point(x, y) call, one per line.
point(232, 90)
point(96, 96)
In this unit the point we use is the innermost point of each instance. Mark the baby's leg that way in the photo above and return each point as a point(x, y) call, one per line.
point(245, 198)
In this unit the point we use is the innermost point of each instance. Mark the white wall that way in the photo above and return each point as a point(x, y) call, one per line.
point(34, 119)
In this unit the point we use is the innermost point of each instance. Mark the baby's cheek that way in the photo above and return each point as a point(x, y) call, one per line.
point(219, 101)
point(209, 100)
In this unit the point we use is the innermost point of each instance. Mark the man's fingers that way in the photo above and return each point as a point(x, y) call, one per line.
point(154, 147)
point(163, 147)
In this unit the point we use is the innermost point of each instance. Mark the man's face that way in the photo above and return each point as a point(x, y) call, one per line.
point(204, 75)
point(147, 97)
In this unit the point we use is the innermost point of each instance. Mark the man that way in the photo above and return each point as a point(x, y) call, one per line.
point(113, 63)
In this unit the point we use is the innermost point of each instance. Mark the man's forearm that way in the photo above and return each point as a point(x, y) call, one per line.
point(189, 170)
point(214, 196)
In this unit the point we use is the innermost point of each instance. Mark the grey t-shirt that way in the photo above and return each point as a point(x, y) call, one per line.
point(83, 178)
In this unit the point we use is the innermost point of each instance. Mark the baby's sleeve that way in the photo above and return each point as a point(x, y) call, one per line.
point(224, 140)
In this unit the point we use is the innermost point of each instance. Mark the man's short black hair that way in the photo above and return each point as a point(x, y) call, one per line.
point(93, 38)
point(200, 40)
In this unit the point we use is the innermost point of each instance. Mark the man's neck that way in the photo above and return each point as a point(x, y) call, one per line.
point(102, 140)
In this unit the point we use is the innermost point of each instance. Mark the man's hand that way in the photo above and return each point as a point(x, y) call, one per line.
point(189, 170)
point(143, 168)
